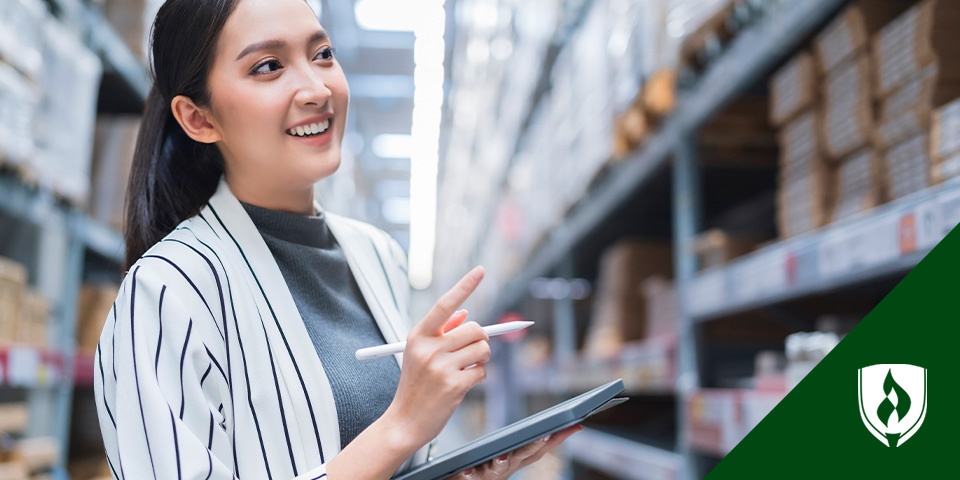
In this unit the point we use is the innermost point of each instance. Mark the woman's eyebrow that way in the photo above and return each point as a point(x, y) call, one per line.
point(317, 36)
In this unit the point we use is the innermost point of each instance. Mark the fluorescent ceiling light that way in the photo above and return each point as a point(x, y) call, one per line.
point(392, 145)
point(389, 15)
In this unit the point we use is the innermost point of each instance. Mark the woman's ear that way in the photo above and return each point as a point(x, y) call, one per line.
point(194, 120)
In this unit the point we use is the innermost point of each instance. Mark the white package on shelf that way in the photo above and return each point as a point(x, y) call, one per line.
point(67, 115)
point(21, 35)
point(19, 100)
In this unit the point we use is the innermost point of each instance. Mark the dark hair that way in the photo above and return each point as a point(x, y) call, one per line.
point(172, 175)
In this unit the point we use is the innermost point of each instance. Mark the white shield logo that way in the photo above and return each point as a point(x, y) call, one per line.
point(893, 401)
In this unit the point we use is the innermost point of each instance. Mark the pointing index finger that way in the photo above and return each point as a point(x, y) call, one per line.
point(433, 322)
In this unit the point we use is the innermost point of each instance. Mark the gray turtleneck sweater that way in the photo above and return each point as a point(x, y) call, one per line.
point(335, 313)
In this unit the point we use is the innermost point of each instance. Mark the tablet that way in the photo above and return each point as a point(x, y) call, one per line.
point(513, 436)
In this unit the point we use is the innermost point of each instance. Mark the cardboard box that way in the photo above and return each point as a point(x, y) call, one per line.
point(92, 312)
point(662, 311)
point(14, 417)
point(793, 88)
point(619, 309)
point(907, 167)
point(38, 453)
point(859, 182)
point(850, 33)
point(945, 168)
point(13, 284)
point(920, 37)
point(716, 247)
point(800, 145)
point(848, 114)
point(945, 130)
point(660, 92)
point(32, 329)
point(805, 203)
point(907, 112)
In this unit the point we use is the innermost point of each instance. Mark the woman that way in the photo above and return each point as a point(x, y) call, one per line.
point(228, 353)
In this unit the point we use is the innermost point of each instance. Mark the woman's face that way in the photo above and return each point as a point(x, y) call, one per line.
point(278, 98)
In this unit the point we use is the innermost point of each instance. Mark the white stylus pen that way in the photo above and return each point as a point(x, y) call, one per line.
point(394, 348)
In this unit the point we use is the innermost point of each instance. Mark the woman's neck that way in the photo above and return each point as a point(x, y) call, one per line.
point(298, 201)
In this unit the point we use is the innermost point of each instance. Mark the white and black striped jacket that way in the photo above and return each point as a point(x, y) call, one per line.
point(205, 369)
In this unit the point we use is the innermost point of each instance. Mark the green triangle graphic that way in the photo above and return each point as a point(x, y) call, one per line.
point(817, 431)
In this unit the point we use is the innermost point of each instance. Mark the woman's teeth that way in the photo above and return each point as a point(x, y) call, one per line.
point(310, 130)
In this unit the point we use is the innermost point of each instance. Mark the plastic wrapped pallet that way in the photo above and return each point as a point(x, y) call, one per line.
point(114, 144)
point(619, 310)
point(793, 88)
point(71, 83)
point(858, 184)
point(907, 166)
point(13, 284)
point(924, 35)
point(945, 131)
point(19, 101)
point(848, 114)
point(850, 33)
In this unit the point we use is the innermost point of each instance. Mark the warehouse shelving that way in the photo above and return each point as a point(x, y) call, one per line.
point(889, 240)
point(621, 457)
point(898, 235)
point(56, 243)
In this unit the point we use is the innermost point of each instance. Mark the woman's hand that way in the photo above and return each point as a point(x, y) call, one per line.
point(504, 466)
point(444, 358)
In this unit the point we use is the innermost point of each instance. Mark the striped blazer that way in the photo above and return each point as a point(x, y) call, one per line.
point(205, 370)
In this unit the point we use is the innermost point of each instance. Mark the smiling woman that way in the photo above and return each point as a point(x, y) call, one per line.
point(229, 352)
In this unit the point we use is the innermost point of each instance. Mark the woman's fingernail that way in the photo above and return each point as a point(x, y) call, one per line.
point(544, 439)
point(477, 273)
point(470, 473)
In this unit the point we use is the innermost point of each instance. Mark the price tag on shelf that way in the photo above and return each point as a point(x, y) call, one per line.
point(857, 247)
point(929, 227)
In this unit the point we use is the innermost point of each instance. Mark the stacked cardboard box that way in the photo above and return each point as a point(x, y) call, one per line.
point(619, 310)
point(916, 70)
point(13, 285)
point(95, 304)
point(806, 178)
point(794, 89)
point(858, 184)
point(945, 142)
point(851, 32)
point(34, 321)
point(847, 107)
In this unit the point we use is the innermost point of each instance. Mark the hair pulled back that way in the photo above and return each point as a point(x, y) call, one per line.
point(172, 175)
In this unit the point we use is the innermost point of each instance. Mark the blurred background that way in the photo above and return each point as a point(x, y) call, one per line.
point(701, 197)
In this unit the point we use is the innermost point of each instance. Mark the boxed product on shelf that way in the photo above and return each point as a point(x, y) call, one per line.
point(13, 285)
point(19, 101)
point(804, 350)
point(659, 92)
point(94, 306)
point(848, 113)
point(945, 130)
point(114, 142)
point(801, 144)
point(32, 328)
point(716, 247)
point(920, 37)
point(907, 167)
point(71, 81)
point(648, 365)
point(946, 168)
point(850, 33)
point(37, 453)
point(14, 417)
point(21, 39)
point(662, 309)
point(619, 310)
point(859, 184)
point(804, 202)
point(907, 111)
point(793, 88)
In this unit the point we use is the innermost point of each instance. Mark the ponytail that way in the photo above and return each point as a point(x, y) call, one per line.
point(173, 176)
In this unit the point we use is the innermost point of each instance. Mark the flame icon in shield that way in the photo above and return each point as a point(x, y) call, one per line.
point(893, 401)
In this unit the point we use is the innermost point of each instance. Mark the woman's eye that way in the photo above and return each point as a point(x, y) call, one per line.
point(268, 66)
point(326, 53)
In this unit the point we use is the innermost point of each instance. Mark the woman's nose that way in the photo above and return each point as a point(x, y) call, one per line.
point(312, 90)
